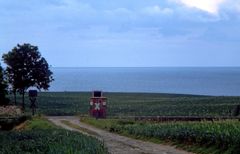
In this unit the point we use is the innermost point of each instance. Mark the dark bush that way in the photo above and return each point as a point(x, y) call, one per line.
point(9, 123)
point(236, 111)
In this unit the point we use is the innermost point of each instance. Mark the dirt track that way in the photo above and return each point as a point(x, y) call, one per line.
point(117, 144)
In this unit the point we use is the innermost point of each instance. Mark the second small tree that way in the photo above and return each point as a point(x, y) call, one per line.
point(27, 68)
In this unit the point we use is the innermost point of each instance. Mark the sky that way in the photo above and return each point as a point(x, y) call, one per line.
point(125, 33)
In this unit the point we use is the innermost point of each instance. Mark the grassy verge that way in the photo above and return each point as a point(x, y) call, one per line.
point(199, 137)
point(42, 137)
point(39, 122)
point(79, 128)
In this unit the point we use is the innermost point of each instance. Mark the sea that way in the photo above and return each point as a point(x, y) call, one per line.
point(215, 81)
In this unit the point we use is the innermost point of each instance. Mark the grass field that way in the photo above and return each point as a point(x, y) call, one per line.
point(137, 104)
point(42, 137)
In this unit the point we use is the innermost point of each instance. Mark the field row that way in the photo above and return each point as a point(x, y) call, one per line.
point(220, 136)
point(183, 118)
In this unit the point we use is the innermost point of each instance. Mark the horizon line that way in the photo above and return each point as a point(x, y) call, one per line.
point(144, 66)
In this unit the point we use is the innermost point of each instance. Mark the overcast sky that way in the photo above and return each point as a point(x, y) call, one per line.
point(133, 33)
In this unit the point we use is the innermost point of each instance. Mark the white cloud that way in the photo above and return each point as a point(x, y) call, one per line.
point(210, 6)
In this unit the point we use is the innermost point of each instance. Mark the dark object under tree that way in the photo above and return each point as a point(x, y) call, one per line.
point(27, 68)
point(33, 100)
point(236, 111)
point(3, 87)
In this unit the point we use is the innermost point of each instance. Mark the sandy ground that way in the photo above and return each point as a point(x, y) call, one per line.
point(117, 144)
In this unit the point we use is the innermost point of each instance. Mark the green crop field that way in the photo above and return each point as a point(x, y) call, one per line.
point(42, 137)
point(137, 104)
point(200, 137)
point(211, 137)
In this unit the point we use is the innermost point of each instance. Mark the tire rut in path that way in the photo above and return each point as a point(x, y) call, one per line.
point(117, 144)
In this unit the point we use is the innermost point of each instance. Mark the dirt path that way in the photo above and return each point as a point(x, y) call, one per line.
point(117, 144)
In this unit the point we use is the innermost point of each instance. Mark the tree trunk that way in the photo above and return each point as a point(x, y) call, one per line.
point(23, 100)
point(33, 111)
point(15, 97)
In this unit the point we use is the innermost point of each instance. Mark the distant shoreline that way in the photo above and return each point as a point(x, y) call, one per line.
point(61, 67)
point(149, 93)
